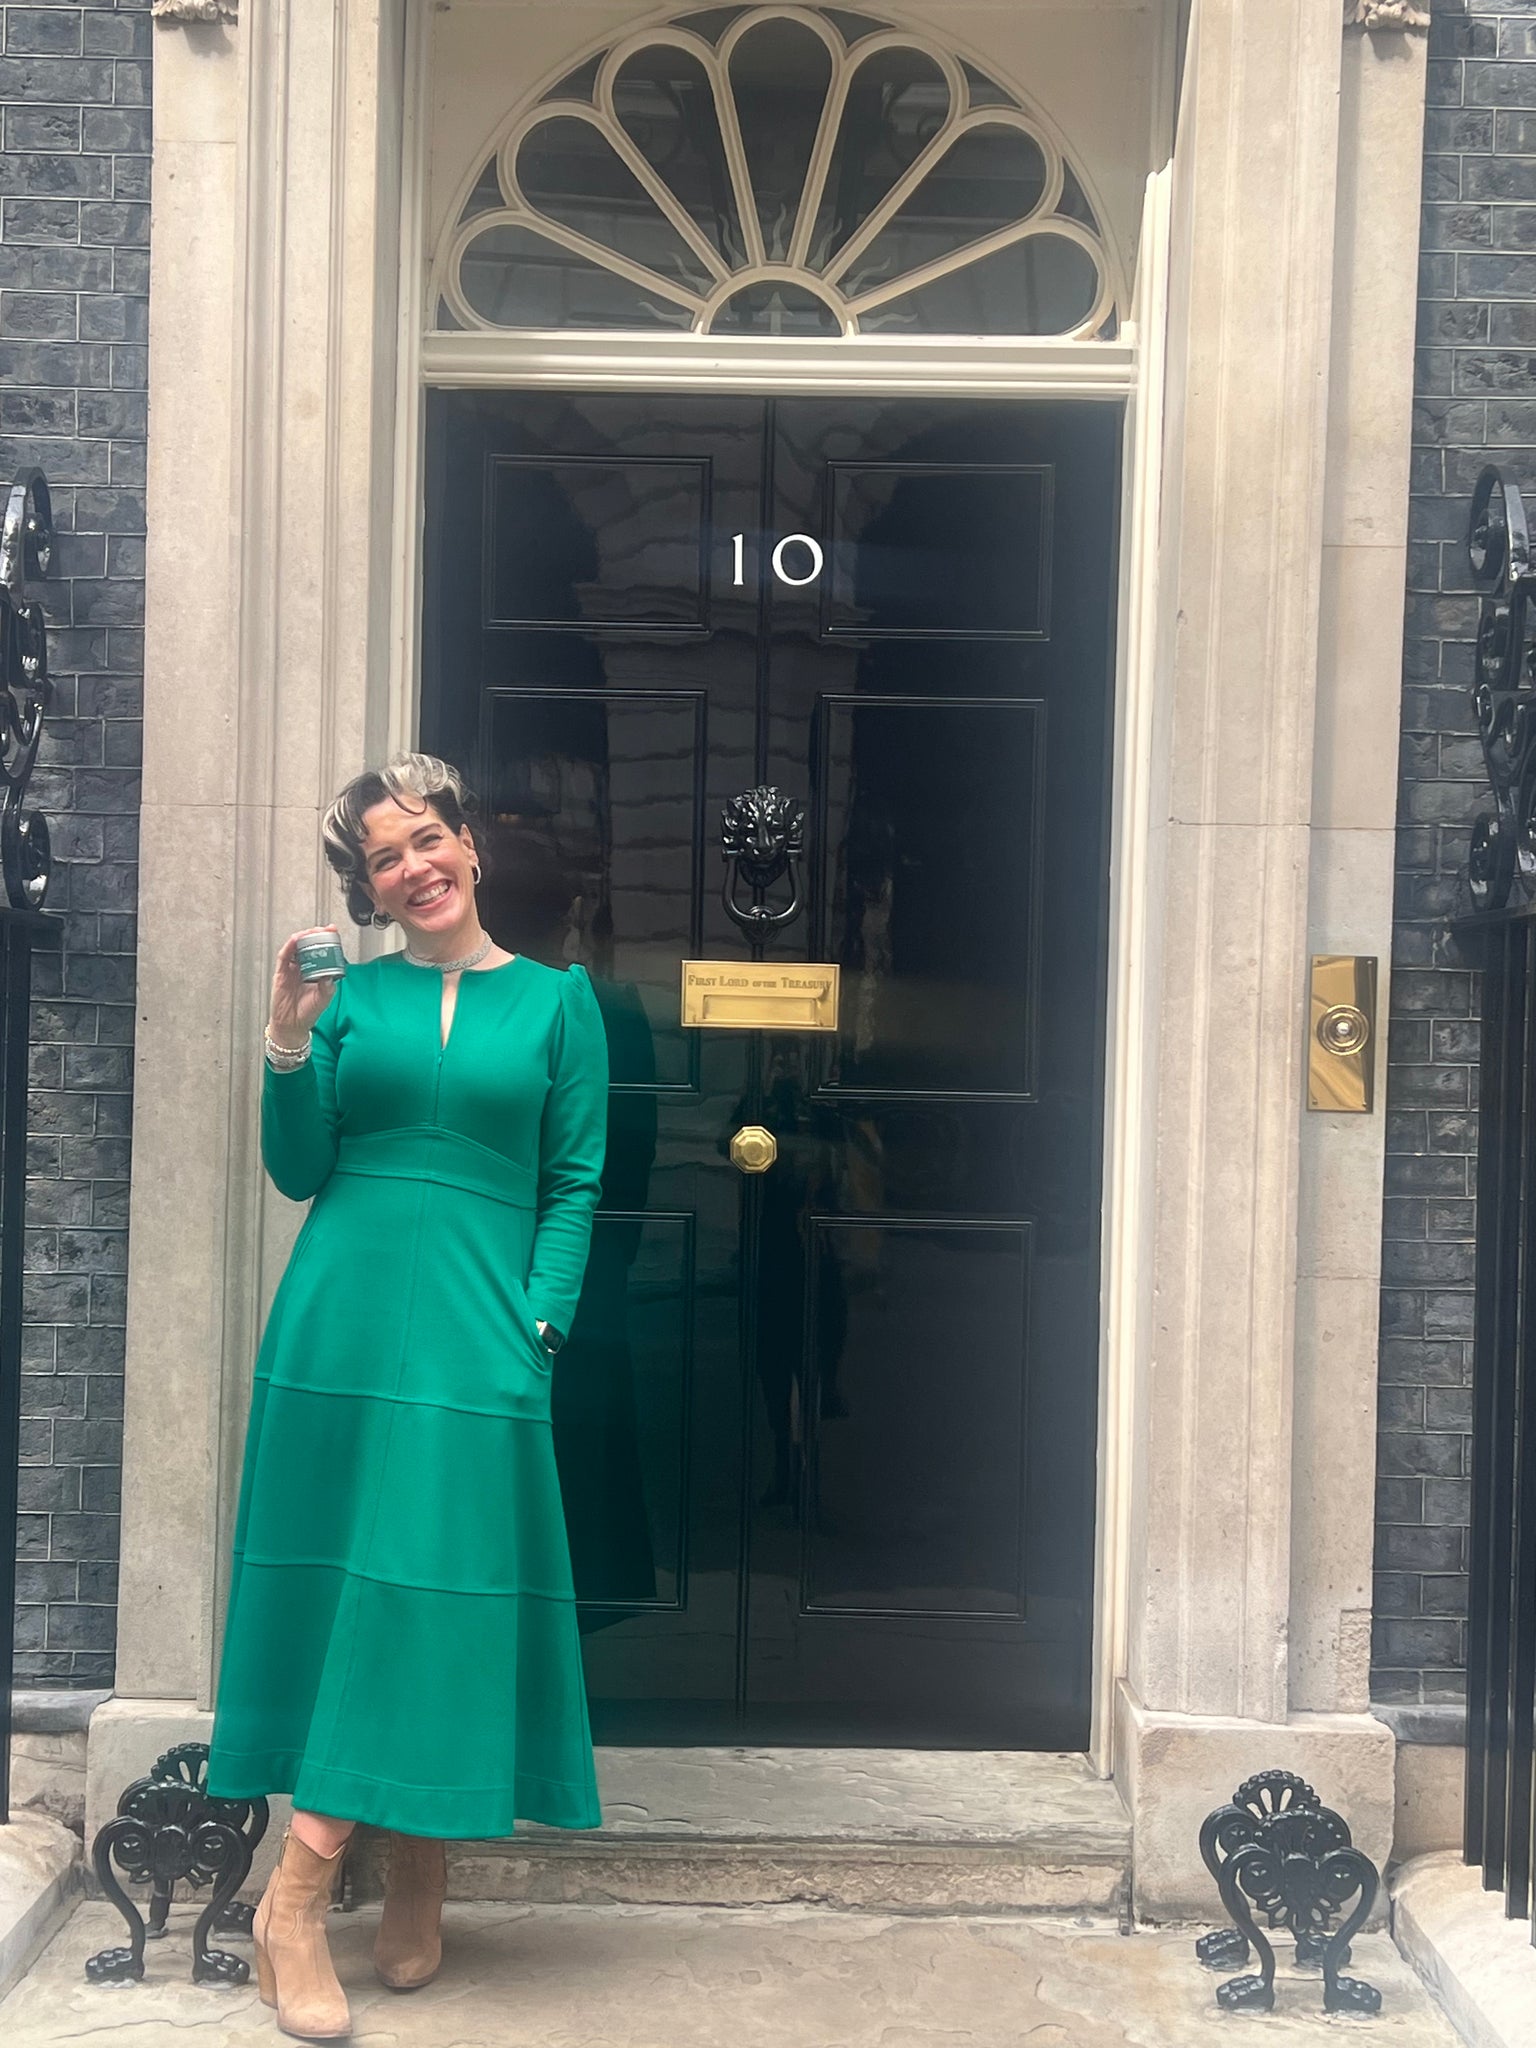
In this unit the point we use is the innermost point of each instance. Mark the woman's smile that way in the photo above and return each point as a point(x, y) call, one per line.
point(433, 893)
point(433, 901)
point(435, 905)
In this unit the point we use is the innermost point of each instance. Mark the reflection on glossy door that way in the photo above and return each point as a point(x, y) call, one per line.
point(825, 1429)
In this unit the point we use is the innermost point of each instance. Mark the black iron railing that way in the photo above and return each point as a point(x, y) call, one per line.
point(26, 554)
point(1499, 939)
point(1501, 1648)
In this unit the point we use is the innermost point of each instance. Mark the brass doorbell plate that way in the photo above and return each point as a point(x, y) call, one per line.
point(1341, 1040)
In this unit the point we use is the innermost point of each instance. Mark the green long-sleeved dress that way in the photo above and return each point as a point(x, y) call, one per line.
point(401, 1644)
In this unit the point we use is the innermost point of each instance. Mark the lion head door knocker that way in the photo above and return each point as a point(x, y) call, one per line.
point(762, 838)
point(26, 552)
point(1503, 849)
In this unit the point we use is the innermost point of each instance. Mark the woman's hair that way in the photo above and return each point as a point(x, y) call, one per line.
point(415, 782)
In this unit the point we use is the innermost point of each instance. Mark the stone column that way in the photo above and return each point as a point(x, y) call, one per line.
point(275, 261)
point(1229, 1430)
point(1353, 846)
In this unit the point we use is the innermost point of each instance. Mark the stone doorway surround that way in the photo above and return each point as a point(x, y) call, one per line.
point(1256, 800)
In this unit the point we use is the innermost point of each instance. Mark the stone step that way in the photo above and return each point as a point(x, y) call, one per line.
point(873, 1829)
point(768, 1977)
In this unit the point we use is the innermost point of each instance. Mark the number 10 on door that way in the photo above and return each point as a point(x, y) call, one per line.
point(785, 564)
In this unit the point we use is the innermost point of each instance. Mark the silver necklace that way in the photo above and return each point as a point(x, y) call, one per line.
point(452, 966)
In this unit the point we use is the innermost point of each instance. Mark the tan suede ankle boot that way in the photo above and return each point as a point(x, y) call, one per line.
point(409, 1948)
point(293, 1962)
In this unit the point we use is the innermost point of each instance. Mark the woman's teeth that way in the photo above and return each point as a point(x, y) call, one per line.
point(426, 896)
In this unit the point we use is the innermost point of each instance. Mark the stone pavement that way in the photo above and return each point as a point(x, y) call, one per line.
point(637, 1976)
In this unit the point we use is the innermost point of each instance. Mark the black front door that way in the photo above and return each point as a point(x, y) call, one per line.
point(825, 1431)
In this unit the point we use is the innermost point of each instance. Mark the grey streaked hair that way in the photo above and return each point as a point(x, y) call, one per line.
point(414, 782)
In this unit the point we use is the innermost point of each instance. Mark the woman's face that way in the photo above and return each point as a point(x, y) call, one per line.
point(417, 869)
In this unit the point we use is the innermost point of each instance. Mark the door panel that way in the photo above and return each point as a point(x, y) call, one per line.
point(604, 545)
point(929, 550)
point(940, 964)
point(882, 1531)
point(825, 1433)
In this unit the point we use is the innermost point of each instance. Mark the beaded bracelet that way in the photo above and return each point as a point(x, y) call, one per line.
point(284, 1059)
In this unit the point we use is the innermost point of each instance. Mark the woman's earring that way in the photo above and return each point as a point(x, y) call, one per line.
point(475, 867)
point(381, 917)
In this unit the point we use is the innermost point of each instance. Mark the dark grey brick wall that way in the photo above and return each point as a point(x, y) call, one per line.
point(1475, 387)
point(74, 295)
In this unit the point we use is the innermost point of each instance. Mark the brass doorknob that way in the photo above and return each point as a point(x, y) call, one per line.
point(753, 1149)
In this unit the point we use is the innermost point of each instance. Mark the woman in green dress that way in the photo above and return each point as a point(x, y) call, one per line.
point(401, 1644)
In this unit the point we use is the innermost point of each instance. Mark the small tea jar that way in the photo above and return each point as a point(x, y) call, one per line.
point(319, 955)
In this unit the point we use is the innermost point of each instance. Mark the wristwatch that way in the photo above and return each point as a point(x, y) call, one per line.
point(551, 1338)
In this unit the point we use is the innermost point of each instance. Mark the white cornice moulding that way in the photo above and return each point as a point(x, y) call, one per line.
point(895, 365)
point(195, 10)
point(1374, 14)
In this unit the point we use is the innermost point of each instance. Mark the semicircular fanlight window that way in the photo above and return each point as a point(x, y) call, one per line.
point(777, 171)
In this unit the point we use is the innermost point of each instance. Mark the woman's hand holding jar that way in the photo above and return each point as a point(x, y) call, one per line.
point(296, 1003)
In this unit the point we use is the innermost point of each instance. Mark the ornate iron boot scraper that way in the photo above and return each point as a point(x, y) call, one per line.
point(168, 1828)
point(1278, 1851)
